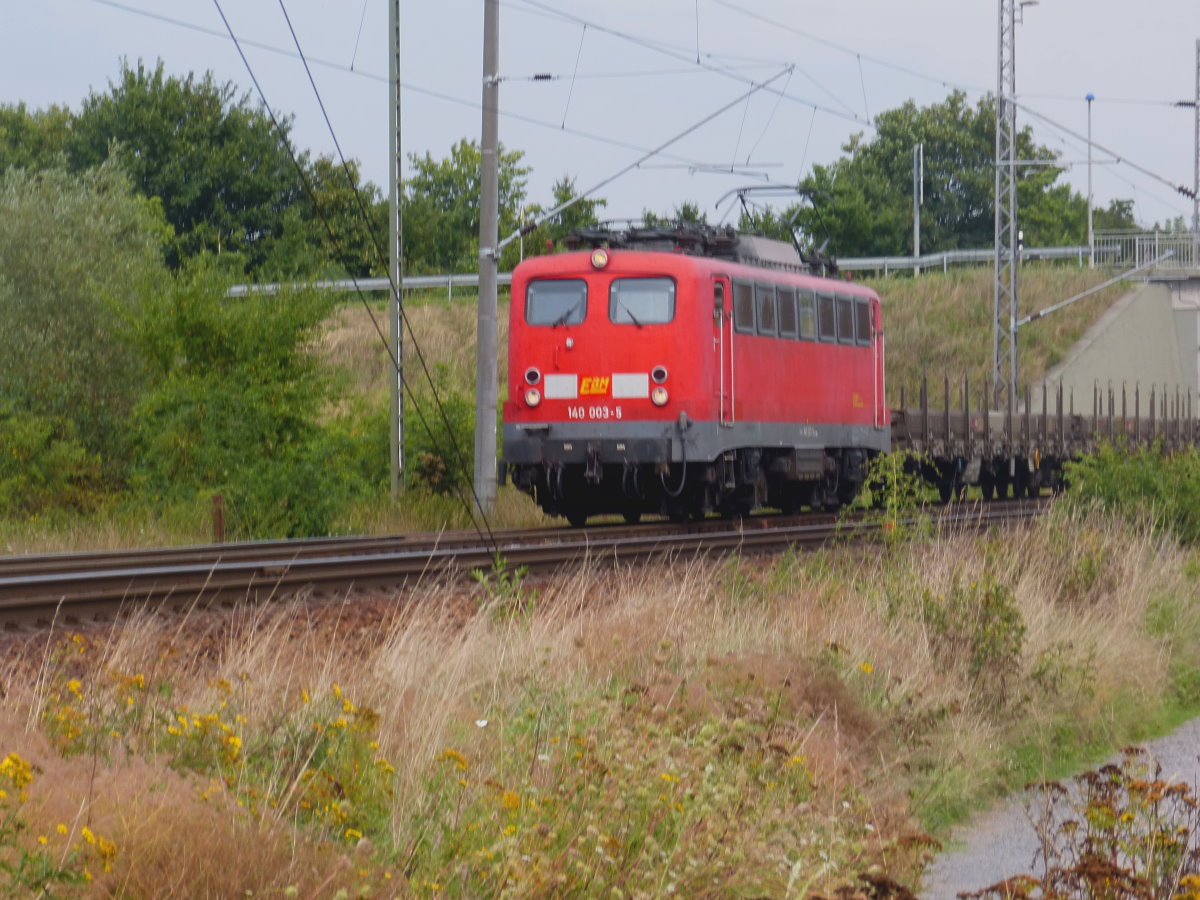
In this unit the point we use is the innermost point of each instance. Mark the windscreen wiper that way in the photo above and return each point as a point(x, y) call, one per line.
point(562, 320)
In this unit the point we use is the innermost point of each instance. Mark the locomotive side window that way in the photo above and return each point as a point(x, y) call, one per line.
point(787, 312)
point(764, 300)
point(826, 320)
point(845, 319)
point(641, 301)
point(743, 307)
point(554, 302)
point(808, 316)
point(862, 322)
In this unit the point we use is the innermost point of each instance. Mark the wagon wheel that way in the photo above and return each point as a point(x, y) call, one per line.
point(577, 519)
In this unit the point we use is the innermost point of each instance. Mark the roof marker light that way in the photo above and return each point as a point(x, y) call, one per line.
point(599, 258)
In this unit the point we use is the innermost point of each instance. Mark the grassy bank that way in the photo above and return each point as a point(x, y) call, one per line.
point(734, 728)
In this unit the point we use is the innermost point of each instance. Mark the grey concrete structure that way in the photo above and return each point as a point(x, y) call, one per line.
point(1150, 337)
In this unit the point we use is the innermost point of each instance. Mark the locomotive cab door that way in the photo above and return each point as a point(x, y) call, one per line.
point(723, 345)
point(877, 376)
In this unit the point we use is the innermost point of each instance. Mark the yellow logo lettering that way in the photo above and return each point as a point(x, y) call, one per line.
point(593, 385)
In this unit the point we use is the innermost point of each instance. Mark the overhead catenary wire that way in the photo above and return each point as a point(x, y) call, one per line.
point(411, 87)
point(571, 92)
point(1117, 156)
point(545, 217)
point(775, 23)
point(490, 537)
point(358, 40)
point(395, 288)
point(683, 56)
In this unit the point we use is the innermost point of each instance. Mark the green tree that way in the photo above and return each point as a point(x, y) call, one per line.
point(80, 260)
point(441, 207)
point(862, 203)
point(219, 166)
point(338, 226)
point(550, 235)
point(33, 140)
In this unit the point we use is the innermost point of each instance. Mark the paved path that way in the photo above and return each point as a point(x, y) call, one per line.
point(1001, 843)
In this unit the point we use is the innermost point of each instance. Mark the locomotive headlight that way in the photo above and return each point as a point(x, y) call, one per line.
point(659, 374)
point(532, 375)
point(533, 397)
point(658, 396)
point(599, 258)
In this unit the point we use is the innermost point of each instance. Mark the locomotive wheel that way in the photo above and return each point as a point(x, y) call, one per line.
point(577, 519)
point(631, 517)
point(945, 491)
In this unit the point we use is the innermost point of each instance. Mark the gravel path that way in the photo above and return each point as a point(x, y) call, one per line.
point(1001, 843)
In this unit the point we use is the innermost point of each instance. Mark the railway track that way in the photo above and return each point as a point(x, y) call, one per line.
point(74, 587)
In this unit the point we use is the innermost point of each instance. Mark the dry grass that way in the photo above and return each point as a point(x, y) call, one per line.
point(743, 726)
point(442, 332)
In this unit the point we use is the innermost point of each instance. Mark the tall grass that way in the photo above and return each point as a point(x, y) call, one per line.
point(702, 728)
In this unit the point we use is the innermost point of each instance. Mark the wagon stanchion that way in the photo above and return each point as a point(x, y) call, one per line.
point(968, 431)
point(946, 409)
point(1137, 414)
point(1111, 398)
point(925, 411)
point(1124, 417)
point(1027, 436)
point(1153, 410)
point(987, 418)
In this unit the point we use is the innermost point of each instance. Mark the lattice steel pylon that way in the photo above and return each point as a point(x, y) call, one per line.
point(1004, 337)
point(1196, 177)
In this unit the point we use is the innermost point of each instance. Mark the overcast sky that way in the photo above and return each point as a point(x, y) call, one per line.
point(625, 79)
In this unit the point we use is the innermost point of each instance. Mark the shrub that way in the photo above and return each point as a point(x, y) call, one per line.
point(43, 465)
point(1142, 485)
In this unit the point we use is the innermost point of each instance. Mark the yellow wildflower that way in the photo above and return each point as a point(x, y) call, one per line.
point(454, 756)
point(16, 770)
point(866, 667)
point(510, 800)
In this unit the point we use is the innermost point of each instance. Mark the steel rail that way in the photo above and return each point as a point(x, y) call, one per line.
point(78, 590)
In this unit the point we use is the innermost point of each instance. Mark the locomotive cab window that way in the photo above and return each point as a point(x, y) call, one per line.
point(862, 322)
point(558, 301)
point(743, 307)
point(764, 300)
point(641, 301)
point(807, 308)
point(787, 312)
point(845, 319)
point(826, 318)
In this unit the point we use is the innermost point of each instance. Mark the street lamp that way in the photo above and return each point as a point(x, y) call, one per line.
point(1091, 234)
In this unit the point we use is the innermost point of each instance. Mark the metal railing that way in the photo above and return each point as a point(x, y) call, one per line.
point(1113, 249)
point(1135, 248)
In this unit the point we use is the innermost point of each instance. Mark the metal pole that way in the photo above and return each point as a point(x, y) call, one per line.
point(1091, 234)
point(1196, 176)
point(395, 246)
point(1004, 338)
point(918, 198)
point(486, 389)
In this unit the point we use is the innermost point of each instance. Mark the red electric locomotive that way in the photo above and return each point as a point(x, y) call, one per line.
point(688, 370)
